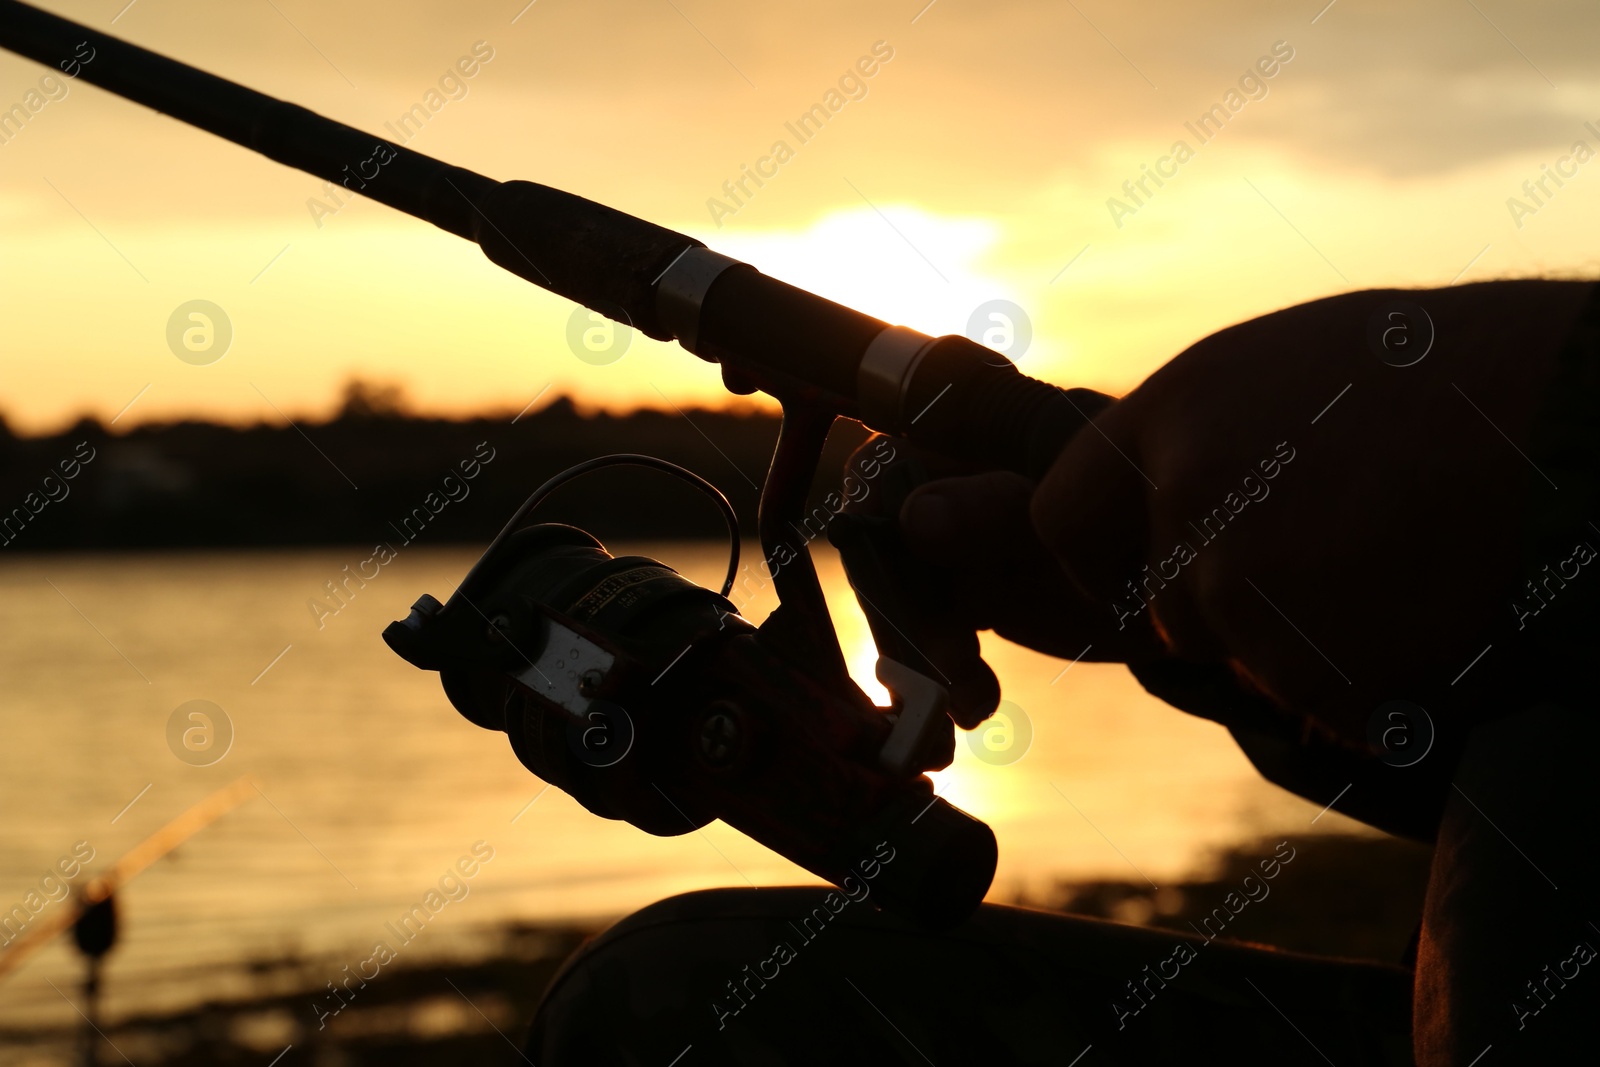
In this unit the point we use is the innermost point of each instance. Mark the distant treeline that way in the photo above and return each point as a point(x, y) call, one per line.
point(362, 477)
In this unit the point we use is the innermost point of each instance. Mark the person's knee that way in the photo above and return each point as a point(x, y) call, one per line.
point(661, 979)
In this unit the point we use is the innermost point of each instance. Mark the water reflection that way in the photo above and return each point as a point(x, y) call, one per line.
point(372, 784)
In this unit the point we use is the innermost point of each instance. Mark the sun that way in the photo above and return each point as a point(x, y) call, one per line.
point(895, 262)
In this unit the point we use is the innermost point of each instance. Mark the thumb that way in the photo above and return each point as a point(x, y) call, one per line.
point(950, 520)
point(1092, 508)
point(999, 575)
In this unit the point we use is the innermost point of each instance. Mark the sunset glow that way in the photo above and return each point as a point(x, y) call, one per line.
point(945, 181)
point(310, 496)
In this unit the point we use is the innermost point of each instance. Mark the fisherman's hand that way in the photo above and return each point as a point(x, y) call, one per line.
point(1335, 530)
point(973, 539)
point(1284, 500)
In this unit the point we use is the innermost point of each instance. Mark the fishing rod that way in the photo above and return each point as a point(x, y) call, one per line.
point(92, 914)
point(102, 888)
point(949, 393)
point(641, 694)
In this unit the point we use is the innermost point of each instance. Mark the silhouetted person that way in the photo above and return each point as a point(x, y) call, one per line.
point(1361, 533)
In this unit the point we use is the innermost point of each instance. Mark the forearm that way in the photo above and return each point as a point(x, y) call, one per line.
point(1508, 951)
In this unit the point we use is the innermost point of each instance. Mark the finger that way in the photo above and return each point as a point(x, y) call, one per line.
point(1092, 508)
point(890, 467)
point(954, 520)
point(1001, 576)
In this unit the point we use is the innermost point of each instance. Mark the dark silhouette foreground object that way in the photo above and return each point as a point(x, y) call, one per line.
point(702, 972)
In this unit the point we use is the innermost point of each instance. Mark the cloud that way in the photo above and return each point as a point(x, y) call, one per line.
point(1013, 116)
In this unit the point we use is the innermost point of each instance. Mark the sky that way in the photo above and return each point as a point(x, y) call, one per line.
point(984, 159)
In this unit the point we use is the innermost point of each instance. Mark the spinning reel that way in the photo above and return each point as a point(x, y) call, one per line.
point(649, 698)
point(549, 637)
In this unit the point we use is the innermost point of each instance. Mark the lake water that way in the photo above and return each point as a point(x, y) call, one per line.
point(374, 786)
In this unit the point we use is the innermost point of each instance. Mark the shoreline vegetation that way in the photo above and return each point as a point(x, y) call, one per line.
point(374, 474)
point(1343, 895)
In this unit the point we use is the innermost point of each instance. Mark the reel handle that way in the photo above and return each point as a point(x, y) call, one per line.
point(928, 657)
point(915, 632)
